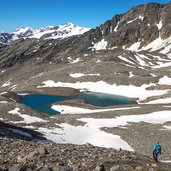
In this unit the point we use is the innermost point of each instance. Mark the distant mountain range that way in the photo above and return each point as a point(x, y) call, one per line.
point(49, 32)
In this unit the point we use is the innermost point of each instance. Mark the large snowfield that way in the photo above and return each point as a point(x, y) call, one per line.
point(91, 131)
point(103, 87)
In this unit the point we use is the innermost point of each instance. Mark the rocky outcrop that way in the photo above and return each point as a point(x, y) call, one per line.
point(16, 132)
point(58, 91)
point(22, 155)
point(12, 96)
point(139, 24)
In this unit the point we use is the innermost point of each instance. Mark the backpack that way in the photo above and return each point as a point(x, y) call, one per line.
point(157, 148)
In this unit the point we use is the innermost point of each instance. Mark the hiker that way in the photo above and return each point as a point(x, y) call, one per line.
point(156, 151)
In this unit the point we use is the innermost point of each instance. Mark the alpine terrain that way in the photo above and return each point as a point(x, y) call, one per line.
point(128, 57)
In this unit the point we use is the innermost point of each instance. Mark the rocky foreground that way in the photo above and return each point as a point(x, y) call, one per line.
point(19, 155)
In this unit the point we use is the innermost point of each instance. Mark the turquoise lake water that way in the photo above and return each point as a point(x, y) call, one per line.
point(43, 103)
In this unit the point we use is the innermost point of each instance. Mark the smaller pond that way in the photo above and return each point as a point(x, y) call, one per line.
point(43, 103)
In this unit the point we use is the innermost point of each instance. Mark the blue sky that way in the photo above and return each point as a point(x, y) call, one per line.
point(40, 13)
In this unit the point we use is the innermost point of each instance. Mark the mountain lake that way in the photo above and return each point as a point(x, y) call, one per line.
point(43, 102)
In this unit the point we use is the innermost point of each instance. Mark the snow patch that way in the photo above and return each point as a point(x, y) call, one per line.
point(165, 80)
point(15, 111)
point(63, 109)
point(27, 118)
point(139, 17)
point(131, 75)
point(159, 101)
point(164, 45)
point(91, 132)
point(30, 127)
point(101, 86)
point(153, 75)
point(100, 45)
point(165, 161)
point(23, 94)
point(125, 59)
point(162, 65)
point(3, 93)
point(116, 28)
point(167, 127)
point(84, 134)
point(78, 75)
point(166, 49)
point(13, 87)
point(159, 117)
point(141, 61)
point(114, 47)
point(159, 25)
point(98, 61)
point(134, 47)
point(7, 83)
point(73, 61)
point(157, 44)
point(3, 102)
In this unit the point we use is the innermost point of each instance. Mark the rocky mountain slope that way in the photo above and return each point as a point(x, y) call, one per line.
point(129, 55)
point(143, 28)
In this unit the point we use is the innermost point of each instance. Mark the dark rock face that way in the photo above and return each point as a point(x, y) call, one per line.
point(166, 20)
point(14, 132)
point(12, 96)
point(137, 24)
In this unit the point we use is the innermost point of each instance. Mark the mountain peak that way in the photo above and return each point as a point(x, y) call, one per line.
point(68, 24)
point(23, 30)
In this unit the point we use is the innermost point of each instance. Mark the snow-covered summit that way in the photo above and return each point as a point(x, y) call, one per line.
point(49, 32)
point(61, 31)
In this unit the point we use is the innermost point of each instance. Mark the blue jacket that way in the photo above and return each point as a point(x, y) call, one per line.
point(157, 148)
